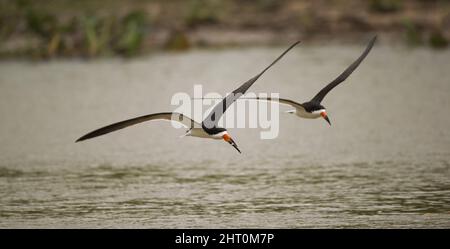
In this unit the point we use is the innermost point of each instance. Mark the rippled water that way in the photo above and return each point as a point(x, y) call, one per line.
point(385, 162)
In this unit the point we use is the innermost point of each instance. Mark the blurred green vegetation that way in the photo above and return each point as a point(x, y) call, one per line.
point(438, 40)
point(91, 28)
point(177, 41)
point(131, 33)
point(202, 12)
point(385, 6)
point(269, 5)
point(413, 34)
point(83, 35)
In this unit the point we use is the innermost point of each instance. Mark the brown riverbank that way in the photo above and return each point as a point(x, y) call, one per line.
point(63, 28)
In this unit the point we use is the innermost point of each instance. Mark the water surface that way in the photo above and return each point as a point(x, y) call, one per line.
point(385, 161)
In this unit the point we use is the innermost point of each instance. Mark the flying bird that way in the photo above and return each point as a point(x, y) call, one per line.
point(313, 108)
point(207, 129)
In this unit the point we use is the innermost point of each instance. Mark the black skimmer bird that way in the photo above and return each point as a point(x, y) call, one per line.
point(313, 109)
point(207, 129)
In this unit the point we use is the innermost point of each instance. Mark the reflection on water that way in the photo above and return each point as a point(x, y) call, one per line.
point(385, 162)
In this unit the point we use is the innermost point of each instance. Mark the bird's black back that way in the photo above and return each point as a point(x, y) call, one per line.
point(214, 130)
point(312, 106)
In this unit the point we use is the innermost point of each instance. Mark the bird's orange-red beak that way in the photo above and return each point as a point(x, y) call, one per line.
point(229, 140)
point(325, 116)
point(226, 137)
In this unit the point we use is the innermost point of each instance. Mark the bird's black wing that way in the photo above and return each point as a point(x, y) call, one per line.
point(319, 97)
point(212, 119)
point(171, 116)
point(280, 100)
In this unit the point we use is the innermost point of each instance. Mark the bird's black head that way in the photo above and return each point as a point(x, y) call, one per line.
point(316, 108)
point(220, 132)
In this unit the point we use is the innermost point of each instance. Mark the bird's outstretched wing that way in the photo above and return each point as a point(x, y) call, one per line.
point(214, 116)
point(344, 75)
point(280, 100)
point(171, 116)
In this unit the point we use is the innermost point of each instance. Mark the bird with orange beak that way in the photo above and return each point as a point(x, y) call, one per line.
point(313, 108)
point(207, 129)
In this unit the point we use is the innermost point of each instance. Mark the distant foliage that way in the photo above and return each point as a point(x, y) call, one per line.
point(438, 40)
point(92, 28)
point(88, 35)
point(202, 12)
point(177, 41)
point(413, 33)
point(385, 6)
point(131, 33)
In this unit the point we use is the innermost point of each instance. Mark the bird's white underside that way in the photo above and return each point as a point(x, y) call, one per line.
point(195, 132)
point(300, 112)
point(199, 132)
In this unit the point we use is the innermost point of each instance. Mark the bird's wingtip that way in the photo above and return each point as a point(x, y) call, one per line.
point(296, 43)
point(80, 139)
